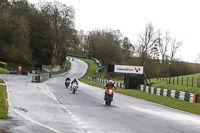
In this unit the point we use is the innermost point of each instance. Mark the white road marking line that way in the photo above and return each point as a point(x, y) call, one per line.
point(70, 113)
point(8, 95)
point(73, 117)
point(36, 122)
point(51, 93)
point(10, 105)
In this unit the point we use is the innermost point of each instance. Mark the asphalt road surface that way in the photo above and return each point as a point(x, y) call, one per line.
point(49, 107)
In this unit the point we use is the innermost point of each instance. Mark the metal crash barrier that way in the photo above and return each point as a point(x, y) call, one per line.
point(39, 77)
point(44, 77)
point(35, 75)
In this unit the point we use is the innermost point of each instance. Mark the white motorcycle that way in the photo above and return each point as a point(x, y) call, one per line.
point(74, 87)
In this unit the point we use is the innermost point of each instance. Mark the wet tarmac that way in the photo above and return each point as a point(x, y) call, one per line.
point(49, 107)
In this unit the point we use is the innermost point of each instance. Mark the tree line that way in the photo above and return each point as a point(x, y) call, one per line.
point(32, 35)
point(154, 49)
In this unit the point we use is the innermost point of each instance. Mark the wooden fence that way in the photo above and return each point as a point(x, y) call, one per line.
point(182, 80)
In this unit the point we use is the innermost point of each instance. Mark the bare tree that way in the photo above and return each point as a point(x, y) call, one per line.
point(163, 43)
point(175, 46)
point(197, 60)
point(83, 42)
point(146, 43)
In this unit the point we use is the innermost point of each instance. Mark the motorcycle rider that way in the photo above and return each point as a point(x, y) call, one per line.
point(74, 81)
point(109, 85)
point(67, 80)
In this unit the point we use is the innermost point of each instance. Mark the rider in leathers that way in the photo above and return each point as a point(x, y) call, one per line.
point(109, 85)
point(73, 82)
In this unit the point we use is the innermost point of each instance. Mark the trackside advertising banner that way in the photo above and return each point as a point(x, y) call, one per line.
point(128, 69)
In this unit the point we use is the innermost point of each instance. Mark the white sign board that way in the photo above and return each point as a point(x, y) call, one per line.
point(128, 69)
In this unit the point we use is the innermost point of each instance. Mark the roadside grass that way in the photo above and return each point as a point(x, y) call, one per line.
point(92, 66)
point(54, 76)
point(166, 101)
point(68, 66)
point(120, 81)
point(1, 81)
point(174, 86)
point(3, 102)
point(180, 87)
point(4, 71)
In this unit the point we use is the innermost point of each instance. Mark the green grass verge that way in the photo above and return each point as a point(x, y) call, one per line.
point(1, 81)
point(180, 87)
point(92, 66)
point(120, 81)
point(3, 102)
point(166, 101)
point(4, 71)
point(68, 66)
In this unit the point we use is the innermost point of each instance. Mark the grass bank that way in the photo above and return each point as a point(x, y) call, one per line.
point(166, 101)
point(181, 85)
point(3, 101)
point(4, 71)
point(92, 66)
point(68, 66)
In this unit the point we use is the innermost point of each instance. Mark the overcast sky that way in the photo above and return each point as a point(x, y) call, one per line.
point(179, 17)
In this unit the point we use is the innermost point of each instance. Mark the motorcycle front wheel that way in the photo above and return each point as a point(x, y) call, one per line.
point(106, 102)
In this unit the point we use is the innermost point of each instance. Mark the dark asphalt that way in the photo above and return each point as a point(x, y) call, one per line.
point(50, 107)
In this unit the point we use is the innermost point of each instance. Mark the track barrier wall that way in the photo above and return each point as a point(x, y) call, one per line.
point(181, 95)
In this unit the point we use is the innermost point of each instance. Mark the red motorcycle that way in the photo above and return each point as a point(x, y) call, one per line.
point(108, 96)
point(109, 92)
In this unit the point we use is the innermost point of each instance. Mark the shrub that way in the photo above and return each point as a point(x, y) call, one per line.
point(3, 64)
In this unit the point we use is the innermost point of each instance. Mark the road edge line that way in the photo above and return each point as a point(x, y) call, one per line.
point(10, 106)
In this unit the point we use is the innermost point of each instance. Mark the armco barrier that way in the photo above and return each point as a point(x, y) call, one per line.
point(96, 61)
point(104, 81)
point(40, 77)
point(181, 95)
point(76, 56)
point(44, 77)
point(35, 75)
point(58, 72)
point(13, 72)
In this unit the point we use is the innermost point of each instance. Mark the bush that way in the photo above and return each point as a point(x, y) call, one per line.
point(3, 64)
point(4, 71)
